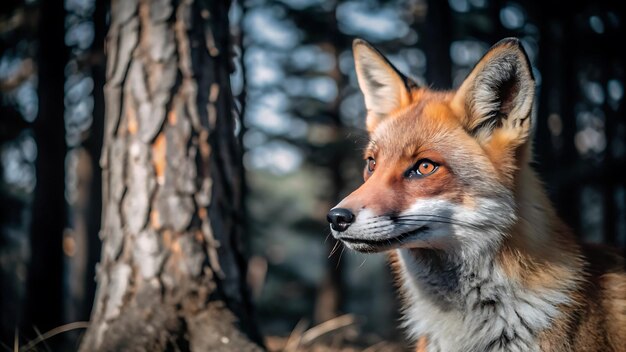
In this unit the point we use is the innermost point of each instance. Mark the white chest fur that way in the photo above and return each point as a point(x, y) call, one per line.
point(472, 306)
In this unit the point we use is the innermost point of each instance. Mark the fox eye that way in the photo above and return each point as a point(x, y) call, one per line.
point(370, 164)
point(423, 167)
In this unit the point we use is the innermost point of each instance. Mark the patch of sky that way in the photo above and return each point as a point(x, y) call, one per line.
point(27, 100)
point(268, 113)
point(322, 88)
point(80, 35)
point(263, 67)
point(467, 52)
point(352, 110)
point(276, 157)
point(78, 106)
point(596, 24)
point(512, 16)
point(459, 5)
point(615, 89)
point(17, 158)
point(311, 57)
point(82, 8)
point(303, 4)
point(268, 26)
point(593, 91)
point(372, 23)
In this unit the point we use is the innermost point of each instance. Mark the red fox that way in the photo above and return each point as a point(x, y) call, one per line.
point(482, 260)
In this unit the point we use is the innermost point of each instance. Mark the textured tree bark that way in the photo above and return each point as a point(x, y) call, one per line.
point(171, 276)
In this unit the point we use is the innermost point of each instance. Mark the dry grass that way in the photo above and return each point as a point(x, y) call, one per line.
point(340, 334)
point(41, 338)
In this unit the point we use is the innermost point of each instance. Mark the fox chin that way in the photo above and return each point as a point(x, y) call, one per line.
point(481, 259)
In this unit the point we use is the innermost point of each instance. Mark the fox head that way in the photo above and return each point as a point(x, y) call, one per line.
point(441, 167)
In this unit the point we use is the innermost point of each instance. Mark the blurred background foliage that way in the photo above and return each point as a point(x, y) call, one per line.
point(302, 127)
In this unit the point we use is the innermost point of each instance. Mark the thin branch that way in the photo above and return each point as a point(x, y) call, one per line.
point(293, 342)
point(58, 330)
point(334, 324)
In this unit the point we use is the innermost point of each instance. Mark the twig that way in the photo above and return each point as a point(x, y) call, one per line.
point(326, 327)
point(42, 339)
point(296, 336)
point(58, 330)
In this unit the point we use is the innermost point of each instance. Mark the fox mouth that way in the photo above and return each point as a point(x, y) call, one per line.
point(378, 245)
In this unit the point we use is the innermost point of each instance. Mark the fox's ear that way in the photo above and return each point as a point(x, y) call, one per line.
point(498, 95)
point(385, 89)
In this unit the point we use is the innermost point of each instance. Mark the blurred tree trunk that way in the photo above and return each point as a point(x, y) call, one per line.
point(437, 34)
point(331, 293)
point(44, 308)
point(94, 147)
point(171, 274)
point(81, 243)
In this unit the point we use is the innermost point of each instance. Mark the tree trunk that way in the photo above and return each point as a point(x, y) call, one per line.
point(332, 291)
point(44, 303)
point(437, 34)
point(171, 276)
point(94, 147)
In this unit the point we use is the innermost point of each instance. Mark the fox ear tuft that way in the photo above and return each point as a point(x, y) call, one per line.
point(498, 94)
point(384, 88)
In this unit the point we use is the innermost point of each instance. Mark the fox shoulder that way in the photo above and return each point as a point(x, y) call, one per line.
point(614, 301)
point(608, 269)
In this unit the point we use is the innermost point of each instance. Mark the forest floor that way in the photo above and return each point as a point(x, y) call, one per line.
point(340, 334)
point(283, 344)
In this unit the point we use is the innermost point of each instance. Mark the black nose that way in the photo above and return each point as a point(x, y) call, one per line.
point(340, 219)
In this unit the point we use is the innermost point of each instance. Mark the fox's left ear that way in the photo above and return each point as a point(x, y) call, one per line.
point(384, 88)
point(497, 97)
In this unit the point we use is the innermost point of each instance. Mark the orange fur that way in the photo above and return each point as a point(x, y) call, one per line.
point(478, 138)
point(421, 345)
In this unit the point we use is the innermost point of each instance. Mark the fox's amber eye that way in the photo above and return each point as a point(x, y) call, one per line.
point(424, 167)
point(370, 164)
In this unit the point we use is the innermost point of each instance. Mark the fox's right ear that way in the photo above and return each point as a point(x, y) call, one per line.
point(384, 88)
point(497, 96)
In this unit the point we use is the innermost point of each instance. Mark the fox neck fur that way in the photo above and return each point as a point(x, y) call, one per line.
point(523, 294)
